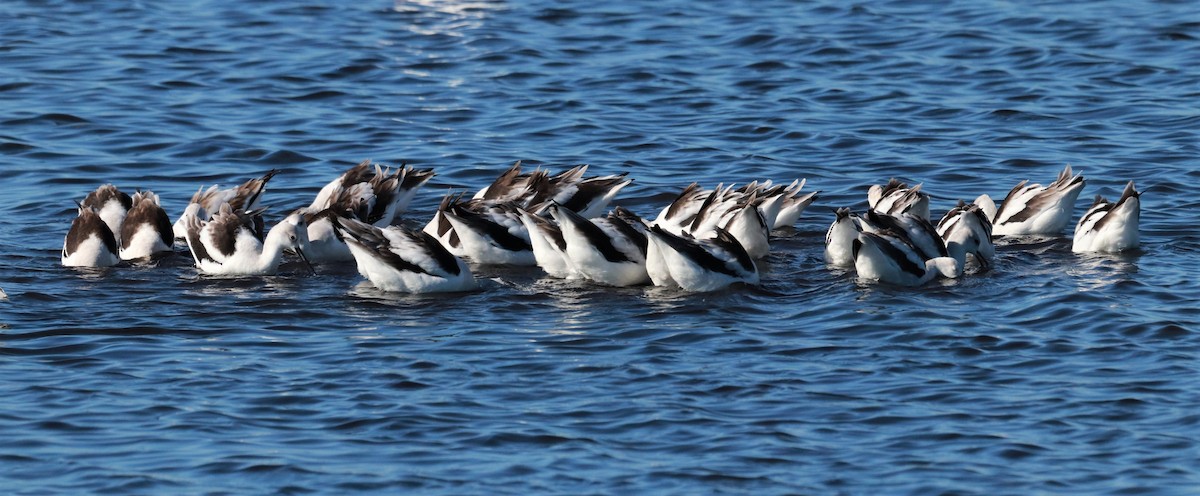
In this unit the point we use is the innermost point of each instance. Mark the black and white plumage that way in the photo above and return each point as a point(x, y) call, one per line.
point(699, 214)
point(1110, 226)
point(549, 247)
point(896, 198)
point(398, 259)
point(1031, 209)
point(227, 245)
point(697, 265)
point(246, 197)
point(483, 231)
point(839, 239)
point(372, 195)
point(886, 256)
point(89, 242)
point(779, 205)
point(916, 231)
point(587, 196)
point(606, 250)
point(967, 230)
point(111, 204)
point(146, 231)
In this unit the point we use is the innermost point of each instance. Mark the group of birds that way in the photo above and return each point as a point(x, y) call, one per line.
point(896, 242)
point(704, 240)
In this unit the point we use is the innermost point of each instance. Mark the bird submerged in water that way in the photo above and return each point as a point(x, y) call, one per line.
point(886, 256)
point(610, 250)
point(146, 231)
point(375, 196)
point(1033, 209)
point(897, 198)
point(402, 260)
point(697, 265)
point(967, 231)
point(89, 242)
point(1110, 226)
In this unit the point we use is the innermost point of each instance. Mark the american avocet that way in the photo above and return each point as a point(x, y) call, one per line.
point(1033, 208)
point(839, 240)
point(918, 232)
point(549, 247)
point(226, 244)
point(886, 256)
point(378, 195)
point(782, 205)
point(587, 196)
point(897, 198)
point(397, 259)
point(206, 202)
point(740, 217)
point(111, 204)
point(487, 232)
point(698, 265)
point(606, 250)
point(146, 231)
point(1109, 226)
point(967, 230)
point(376, 198)
point(89, 242)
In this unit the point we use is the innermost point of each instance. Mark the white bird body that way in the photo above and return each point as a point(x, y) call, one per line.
point(146, 230)
point(839, 239)
point(605, 250)
point(373, 195)
point(226, 244)
point(896, 198)
point(206, 202)
point(397, 259)
point(549, 247)
point(887, 257)
point(89, 242)
point(111, 204)
point(1033, 209)
point(917, 232)
point(698, 265)
point(1110, 226)
point(967, 230)
point(486, 233)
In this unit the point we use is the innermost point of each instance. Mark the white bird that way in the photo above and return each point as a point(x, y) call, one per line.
point(740, 216)
point(1035, 209)
point(398, 259)
point(839, 240)
point(606, 250)
point(916, 231)
point(89, 242)
point(1108, 226)
point(227, 245)
point(549, 247)
point(697, 265)
point(146, 231)
point(897, 198)
point(374, 197)
point(967, 230)
point(206, 202)
point(377, 194)
point(587, 196)
point(791, 204)
point(111, 204)
point(485, 232)
point(887, 257)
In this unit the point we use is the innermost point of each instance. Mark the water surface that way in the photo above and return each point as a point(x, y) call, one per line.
point(1054, 373)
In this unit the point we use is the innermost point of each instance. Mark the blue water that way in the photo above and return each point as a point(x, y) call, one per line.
point(1054, 373)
